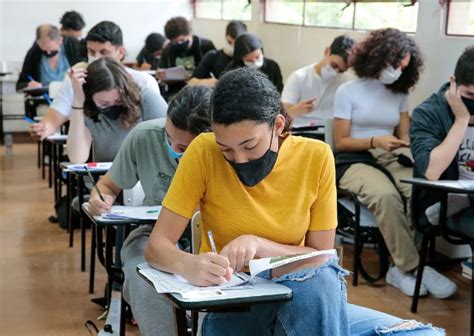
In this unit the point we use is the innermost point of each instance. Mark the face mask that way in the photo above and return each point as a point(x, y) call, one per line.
point(252, 172)
point(389, 75)
point(50, 53)
point(229, 51)
point(328, 72)
point(92, 58)
point(175, 155)
point(181, 48)
point(255, 65)
point(112, 112)
point(469, 104)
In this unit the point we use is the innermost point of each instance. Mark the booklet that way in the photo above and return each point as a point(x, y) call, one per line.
point(175, 74)
point(172, 283)
point(92, 166)
point(121, 212)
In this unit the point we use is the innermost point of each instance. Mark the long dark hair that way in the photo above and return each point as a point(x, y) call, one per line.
point(189, 109)
point(244, 45)
point(385, 47)
point(106, 74)
point(246, 94)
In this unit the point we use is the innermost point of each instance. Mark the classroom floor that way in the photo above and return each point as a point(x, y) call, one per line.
point(43, 291)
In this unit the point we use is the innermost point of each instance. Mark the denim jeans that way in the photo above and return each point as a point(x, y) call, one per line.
point(319, 307)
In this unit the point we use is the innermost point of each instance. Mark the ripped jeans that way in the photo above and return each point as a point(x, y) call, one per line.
point(319, 307)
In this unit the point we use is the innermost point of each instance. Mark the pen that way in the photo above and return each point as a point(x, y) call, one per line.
point(152, 211)
point(31, 121)
point(95, 185)
point(211, 240)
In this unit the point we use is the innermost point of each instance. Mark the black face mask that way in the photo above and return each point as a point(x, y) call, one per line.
point(181, 48)
point(112, 112)
point(469, 104)
point(252, 172)
point(50, 54)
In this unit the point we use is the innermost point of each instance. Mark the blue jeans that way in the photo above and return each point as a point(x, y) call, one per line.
point(319, 307)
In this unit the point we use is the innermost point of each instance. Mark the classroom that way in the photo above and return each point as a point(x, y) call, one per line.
point(236, 167)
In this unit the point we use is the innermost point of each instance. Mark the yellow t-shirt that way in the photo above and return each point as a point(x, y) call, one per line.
point(298, 195)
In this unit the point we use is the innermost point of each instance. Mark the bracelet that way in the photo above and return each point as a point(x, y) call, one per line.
point(77, 108)
point(372, 142)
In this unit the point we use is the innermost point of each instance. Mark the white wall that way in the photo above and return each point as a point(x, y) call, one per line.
point(137, 18)
point(294, 46)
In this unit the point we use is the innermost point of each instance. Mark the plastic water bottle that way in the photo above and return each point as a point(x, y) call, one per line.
point(8, 144)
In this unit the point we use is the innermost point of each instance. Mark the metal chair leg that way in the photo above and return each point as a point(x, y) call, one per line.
point(419, 275)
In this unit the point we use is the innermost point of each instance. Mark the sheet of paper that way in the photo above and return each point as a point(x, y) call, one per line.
point(92, 166)
point(128, 212)
point(257, 266)
point(57, 136)
point(175, 74)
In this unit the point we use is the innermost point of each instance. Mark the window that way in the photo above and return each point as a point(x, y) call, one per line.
point(337, 14)
point(460, 20)
point(223, 9)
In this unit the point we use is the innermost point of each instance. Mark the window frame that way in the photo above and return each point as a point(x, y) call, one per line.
point(303, 24)
point(446, 26)
point(194, 3)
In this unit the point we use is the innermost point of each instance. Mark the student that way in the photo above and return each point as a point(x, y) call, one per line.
point(184, 48)
point(371, 125)
point(236, 177)
point(308, 94)
point(72, 24)
point(248, 52)
point(149, 56)
point(107, 104)
point(150, 154)
point(104, 39)
point(49, 58)
point(442, 143)
point(214, 62)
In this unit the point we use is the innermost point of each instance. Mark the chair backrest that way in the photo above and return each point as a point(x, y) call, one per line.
point(196, 232)
point(134, 196)
point(328, 127)
point(53, 88)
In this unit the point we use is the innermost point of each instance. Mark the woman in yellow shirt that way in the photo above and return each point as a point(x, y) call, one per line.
point(263, 193)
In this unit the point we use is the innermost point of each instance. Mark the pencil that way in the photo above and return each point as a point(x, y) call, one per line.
point(93, 182)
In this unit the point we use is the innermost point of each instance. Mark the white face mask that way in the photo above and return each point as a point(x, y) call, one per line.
point(328, 72)
point(390, 75)
point(229, 50)
point(92, 58)
point(255, 65)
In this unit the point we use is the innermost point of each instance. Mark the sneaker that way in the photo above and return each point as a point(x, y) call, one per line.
point(403, 281)
point(437, 284)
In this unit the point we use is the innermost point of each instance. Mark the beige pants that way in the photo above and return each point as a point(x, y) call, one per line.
point(378, 193)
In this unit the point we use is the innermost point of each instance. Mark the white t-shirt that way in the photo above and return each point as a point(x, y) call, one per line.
point(63, 100)
point(466, 155)
point(304, 84)
point(372, 109)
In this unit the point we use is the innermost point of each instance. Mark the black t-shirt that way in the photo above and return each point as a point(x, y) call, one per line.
point(146, 56)
point(213, 62)
point(191, 58)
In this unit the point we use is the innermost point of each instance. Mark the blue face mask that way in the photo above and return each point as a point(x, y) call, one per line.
point(172, 152)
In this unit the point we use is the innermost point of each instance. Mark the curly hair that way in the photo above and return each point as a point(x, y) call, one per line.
point(386, 47)
point(246, 94)
point(189, 109)
point(106, 74)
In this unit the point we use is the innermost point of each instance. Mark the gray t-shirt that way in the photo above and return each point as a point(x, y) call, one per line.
point(144, 157)
point(108, 134)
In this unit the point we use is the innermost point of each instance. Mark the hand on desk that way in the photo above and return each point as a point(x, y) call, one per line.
point(160, 75)
point(32, 84)
point(41, 130)
point(97, 206)
point(240, 251)
point(208, 269)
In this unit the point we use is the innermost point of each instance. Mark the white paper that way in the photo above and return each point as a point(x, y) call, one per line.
point(257, 266)
point(119, 212)
point(57, 136)
point(171, 283)
point(92, 166)
point(175, 74)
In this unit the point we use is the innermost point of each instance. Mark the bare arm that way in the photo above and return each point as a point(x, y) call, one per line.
point(402, 129)
point(79, 139)
point(302, 108)
point(50, 123)
point(210, 82)
point(442, 155)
